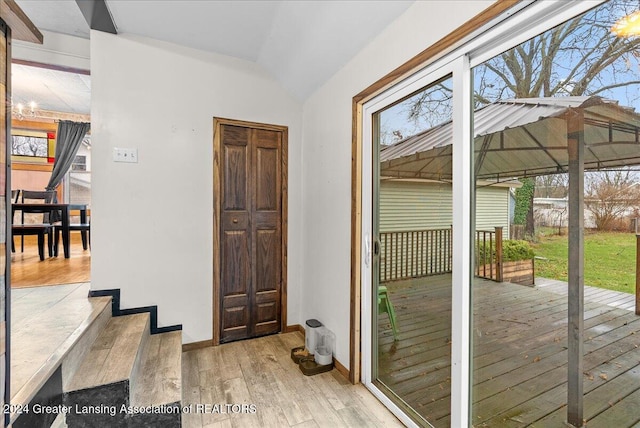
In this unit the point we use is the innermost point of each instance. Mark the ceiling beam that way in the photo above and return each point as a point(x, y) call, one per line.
point(21, 26)
point(97, 15)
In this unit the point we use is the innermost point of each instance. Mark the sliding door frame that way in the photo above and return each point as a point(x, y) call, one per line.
point(432, 74)
point(500, 27)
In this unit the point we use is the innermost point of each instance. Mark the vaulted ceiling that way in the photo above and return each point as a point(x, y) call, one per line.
point(301, 43)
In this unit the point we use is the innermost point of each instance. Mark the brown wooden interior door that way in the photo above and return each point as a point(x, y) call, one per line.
point(250, 232)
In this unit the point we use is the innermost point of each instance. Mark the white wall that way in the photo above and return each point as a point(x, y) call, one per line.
point(327, 157)
point(152, 221)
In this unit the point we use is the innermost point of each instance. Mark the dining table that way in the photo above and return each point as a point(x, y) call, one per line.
point(63, 209)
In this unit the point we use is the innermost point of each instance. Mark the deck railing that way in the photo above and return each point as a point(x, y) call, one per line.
point(414, 254)
point(419, 253)
point(489, 254)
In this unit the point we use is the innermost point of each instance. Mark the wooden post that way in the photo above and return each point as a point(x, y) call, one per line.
point(637, 272)
point(499, 253)
point(575, 147)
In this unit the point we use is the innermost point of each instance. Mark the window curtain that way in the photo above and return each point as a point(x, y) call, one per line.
point(68, 140)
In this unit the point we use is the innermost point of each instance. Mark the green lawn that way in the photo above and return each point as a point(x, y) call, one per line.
point(609, 259)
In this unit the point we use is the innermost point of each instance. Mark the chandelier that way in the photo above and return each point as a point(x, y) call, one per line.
point(20, 111)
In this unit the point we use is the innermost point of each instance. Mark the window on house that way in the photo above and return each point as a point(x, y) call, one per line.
point(79, 163)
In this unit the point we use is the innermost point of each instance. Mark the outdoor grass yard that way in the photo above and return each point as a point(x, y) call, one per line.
point(610, 259)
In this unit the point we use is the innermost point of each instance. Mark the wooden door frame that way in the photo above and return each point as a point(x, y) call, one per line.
point(217, 205)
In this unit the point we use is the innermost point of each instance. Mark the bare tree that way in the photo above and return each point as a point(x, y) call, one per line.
point(578, 57)
point(423, 110)
point(432, 106)
point(552, 186)
point(611, 196)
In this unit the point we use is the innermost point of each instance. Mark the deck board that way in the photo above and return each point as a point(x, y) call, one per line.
point(520, 352)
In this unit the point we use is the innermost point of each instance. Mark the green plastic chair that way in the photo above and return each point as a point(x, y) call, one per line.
point(385, 306)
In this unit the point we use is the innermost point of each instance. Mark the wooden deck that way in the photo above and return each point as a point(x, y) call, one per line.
point(519, 353)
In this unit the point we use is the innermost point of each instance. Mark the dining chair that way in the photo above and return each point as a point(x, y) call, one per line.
point(34, 224)
point(84, 227)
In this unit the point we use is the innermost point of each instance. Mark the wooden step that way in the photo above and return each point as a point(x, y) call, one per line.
point(46, 328)
point(81, 348)
point(128, 378)
point(115, 353)
point(159, 382)
point(104, 379)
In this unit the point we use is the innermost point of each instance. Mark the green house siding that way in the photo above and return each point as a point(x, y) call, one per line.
point(492, 208)
point(427, 205)
point(415, 207)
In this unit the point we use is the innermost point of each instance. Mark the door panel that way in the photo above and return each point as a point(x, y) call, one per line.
point(235, 282)
point(411, 286)
point(267, 260)
point(266, 230)
point(236, 274)
point(250, 232)
point(235, 163)
point(267, 163)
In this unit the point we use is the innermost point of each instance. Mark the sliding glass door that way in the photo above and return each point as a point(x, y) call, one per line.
point(412, 262)
point(556, 155)
point(459, 326)
point(409, 247)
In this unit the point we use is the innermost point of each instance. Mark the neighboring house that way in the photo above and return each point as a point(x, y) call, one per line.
point(422, 205)
point(80, 175)
point(416, 220)
point(80, 188)
point(554, 212)
point(551, 212)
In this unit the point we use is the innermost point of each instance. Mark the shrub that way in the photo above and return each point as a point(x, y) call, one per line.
point(514, 250)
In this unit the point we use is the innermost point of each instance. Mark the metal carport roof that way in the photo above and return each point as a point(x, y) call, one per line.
point(523, 137)
point(528, 137)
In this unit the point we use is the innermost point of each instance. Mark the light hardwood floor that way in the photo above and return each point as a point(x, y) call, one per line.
point(27, 270)
point(260, 372)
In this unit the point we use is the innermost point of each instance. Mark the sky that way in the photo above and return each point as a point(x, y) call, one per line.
point(626, 69)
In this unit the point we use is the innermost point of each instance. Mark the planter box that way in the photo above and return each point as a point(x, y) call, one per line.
point(518, 272)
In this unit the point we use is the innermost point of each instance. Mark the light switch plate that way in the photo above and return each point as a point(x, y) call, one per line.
point(125, 155)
